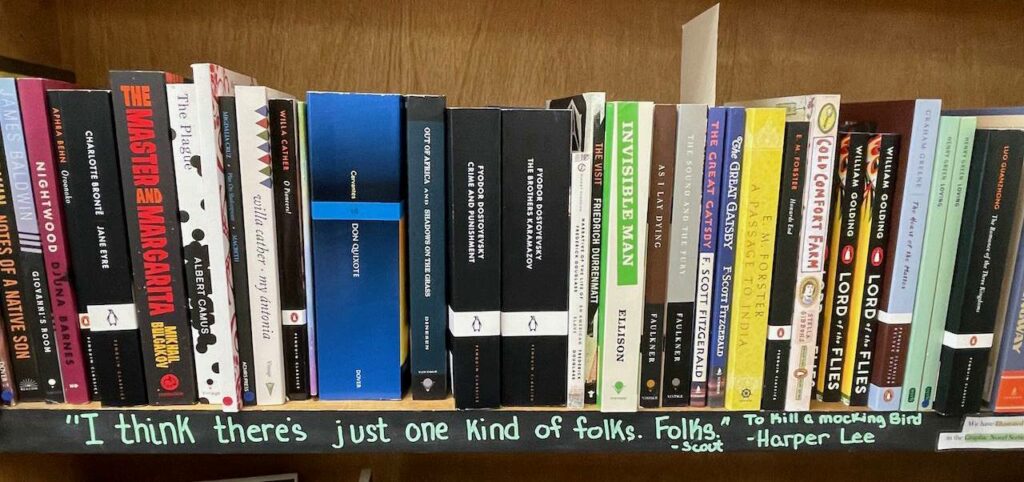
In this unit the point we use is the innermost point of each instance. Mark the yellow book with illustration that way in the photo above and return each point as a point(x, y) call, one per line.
point(755, 247)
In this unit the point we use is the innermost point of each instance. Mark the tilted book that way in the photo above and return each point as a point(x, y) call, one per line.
point(39, 143)
point(579, 277)
point(355, 148)
point(14, 336)
point(535, 162)
point(880, 178)
point(96, 223)
point(846, 219)
point(29, 323)
point(428, 310)
point(725, 253)
point(258, 208)
point(979, 274)
point(934, 228)
point(588, 132)
point(307, 247)
point(659, 219)
point(787, 248)
point(916, 122)
point(755, 241)
point(691, 130)
point(623, 256)
point(141, 118)
point(474, 256)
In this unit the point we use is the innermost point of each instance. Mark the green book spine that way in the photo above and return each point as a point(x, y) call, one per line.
point(938, 200)
point(950, 236)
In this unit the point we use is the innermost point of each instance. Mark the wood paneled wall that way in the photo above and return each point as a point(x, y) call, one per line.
point(29, 31)
point(970, 53)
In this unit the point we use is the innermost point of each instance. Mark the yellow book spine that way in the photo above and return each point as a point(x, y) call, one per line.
point(860, 268)
point(755, 247)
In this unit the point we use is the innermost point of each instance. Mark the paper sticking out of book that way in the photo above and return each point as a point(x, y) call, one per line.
point(699, 65)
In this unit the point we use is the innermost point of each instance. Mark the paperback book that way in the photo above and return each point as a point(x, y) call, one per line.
point(579, 276)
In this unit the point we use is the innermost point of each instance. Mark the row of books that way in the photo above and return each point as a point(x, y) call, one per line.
point(171, 241)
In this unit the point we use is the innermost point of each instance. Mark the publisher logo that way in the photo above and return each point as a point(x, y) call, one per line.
point(169, 382)
point(888, 395)
point(877, 255)
point(827, 118)
point(847, 256)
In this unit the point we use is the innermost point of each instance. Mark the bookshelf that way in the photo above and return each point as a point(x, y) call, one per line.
point(520, 53)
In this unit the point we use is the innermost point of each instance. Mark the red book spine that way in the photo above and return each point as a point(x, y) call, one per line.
point(50, 209)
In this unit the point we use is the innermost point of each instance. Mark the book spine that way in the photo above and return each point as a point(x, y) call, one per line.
point(623, 258)
point(581, 173)
point(8, 395)
point(474, 262)
point(284, 143)
point(755, 240)
point(257, 204)
point(707, 243)
point(307, 255)
point(151, 209)
point(920, 327)
point(37, 366)
point(947, 259)
point(725, 255)
point(787, 248)
point(973, 303)
point(900, 283)
point(869, 268)
point(535, 182)
point(659, 211)
point(846, 220)
point(425, 138)
point(237, 246)
point(822, 112)
point(683, 252)
point(39, 143)
point(1005, 383)
point(14, 336)
point(96, 223)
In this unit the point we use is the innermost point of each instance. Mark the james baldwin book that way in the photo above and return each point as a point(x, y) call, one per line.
point(879, 182)
point(307, 245)
point(725, 253)
point(978, 276)
point(691, 130)
point(579, 276)
point(927, 288)
point(262, 263)
point(623, 256)
point(916, 122)
point(846, 219)
point(284, 141)
point(26, 291)
point(428, 310)
point(39, 143)
point(96, 222)
point(755, 240)
point(588, 131)
point(356, 170)
point(141, 118)
point(707, 244)
point(13, 330)
point(787, 248)
point(659, 219)
point(474, 256)
point(535, 178)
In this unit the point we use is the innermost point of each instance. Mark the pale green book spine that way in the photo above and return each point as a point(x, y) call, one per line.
point(954, 215)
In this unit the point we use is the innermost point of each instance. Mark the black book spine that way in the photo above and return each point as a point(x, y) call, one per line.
point(287, 203)
point(535, 182)
point(852, 156)
point(879, 190)
point(474, 256)
point(92, 195)
point(787, 250)
point(236, 232)
point(977, 277)
point(151, 206)
point(428, 310)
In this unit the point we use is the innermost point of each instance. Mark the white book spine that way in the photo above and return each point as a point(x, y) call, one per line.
point(622, 304)
point(261, 243)
point(579, 279)
point(211, 82)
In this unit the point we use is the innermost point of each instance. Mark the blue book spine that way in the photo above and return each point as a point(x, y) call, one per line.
point(356, 144)
point(1005, 394)
point(428, 310)
point(709, 201)
point(725, 257)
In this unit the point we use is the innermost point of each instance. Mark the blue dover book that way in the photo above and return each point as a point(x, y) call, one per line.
point(356, 149)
